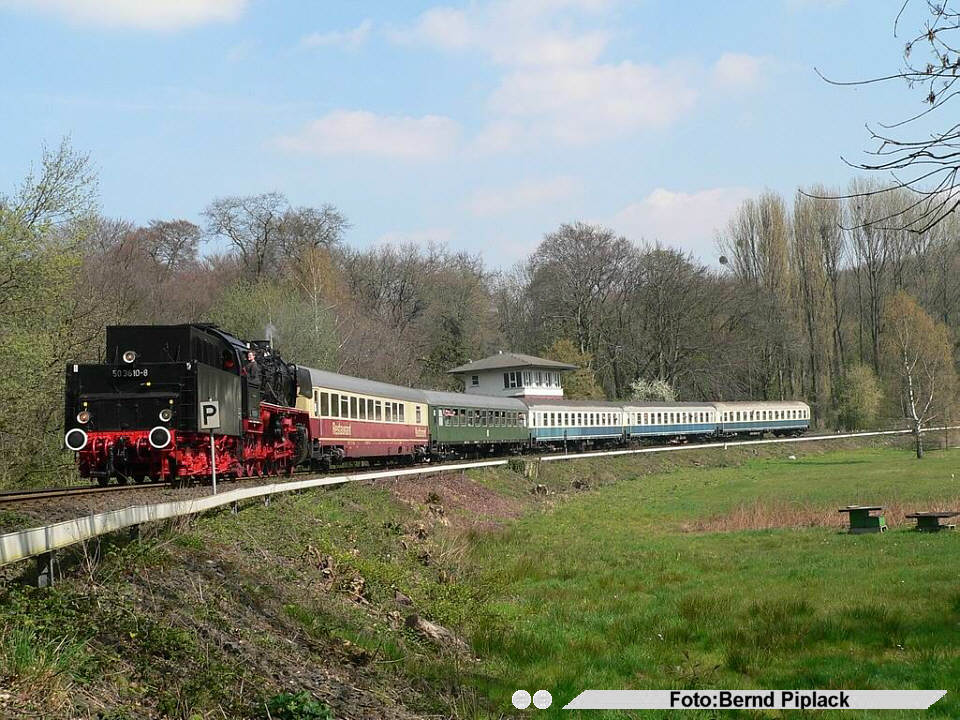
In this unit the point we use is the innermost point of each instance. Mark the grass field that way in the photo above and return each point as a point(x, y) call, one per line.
point(613, 590)
point(701, 569)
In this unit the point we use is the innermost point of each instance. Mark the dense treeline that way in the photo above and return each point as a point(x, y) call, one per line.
point(800, 310)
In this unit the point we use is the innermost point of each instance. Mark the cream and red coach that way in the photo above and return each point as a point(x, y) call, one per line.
point(352, 417)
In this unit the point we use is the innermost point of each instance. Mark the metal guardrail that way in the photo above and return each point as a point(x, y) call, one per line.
point(23, 544)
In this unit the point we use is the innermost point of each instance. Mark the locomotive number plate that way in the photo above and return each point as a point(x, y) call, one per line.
point(131, 372)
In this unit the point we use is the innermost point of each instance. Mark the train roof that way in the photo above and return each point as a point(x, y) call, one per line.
point(548, 403)
point(439, 397)
point(649, 404)
point(361, 386)
point(740, 404)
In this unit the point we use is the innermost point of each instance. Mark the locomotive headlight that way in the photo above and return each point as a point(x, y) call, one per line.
point(75, 439)
point(83, 417)
point(129, 356)
point(159, 437)
point(166, 414)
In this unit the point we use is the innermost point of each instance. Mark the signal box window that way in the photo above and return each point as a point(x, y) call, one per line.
point(474, 380)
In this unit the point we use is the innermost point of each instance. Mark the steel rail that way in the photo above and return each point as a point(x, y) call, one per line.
point(10, 496)
point(43, 540)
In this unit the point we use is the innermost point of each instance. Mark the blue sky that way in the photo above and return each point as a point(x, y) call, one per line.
point(483, 125)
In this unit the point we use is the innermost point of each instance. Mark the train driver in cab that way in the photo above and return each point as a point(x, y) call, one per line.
point(252, 368)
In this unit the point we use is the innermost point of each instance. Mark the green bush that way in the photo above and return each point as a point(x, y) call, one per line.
point(298, 706)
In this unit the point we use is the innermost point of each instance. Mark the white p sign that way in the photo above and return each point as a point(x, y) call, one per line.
point(209, 415)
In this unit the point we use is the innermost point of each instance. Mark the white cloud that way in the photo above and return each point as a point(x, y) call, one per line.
point(526, 195)
point(358, 132)
point(141, 14)
point(582, 104)
point(684, 220)
point(510, 32)
point(349, 39)
point(737, 71)
point(556, 82)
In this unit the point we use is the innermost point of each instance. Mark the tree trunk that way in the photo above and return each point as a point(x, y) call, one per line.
point(919, 440)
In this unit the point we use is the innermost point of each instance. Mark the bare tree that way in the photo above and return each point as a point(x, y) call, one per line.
point(252, 226)
point(757, 242)
point(172, 244)
point(926, 163)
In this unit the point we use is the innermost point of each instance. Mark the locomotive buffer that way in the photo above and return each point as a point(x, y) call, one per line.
point(210, 420)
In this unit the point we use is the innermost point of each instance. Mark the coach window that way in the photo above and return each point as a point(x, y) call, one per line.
point(324, 404)
point(388, 412)
point(361, 408)
point(419, 416)
point(316, 402)
point(402, 410)
point(334, 405)
point(354, 410)
point(344, 406)
point(526, 378)
point(378, 410)
point(462, 417)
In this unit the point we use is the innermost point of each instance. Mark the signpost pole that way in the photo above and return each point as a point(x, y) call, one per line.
point(210, 420)
point(213, 462)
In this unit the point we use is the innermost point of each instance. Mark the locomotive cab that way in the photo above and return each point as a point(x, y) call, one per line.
point(126, 418)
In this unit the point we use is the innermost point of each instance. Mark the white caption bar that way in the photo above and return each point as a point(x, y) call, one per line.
point(754, 699)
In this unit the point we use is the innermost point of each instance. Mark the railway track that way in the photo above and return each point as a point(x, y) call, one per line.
point(12, 496)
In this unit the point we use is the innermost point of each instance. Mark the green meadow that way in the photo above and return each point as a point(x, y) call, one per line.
point(692, 570)
point(660, 582)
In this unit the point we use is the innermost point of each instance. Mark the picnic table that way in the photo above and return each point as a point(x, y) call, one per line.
point(862, 519)
point(930, 521)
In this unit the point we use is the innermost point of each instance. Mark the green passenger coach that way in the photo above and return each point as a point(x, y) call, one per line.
point(468, 424)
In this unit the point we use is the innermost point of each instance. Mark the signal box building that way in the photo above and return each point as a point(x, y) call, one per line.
point(513, 375)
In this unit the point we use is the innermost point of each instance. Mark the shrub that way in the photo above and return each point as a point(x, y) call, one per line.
point(298, 706)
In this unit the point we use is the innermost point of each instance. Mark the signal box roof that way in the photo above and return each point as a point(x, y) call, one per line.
point(510, 361)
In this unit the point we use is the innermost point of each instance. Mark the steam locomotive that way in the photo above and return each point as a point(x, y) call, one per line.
point(136, 416)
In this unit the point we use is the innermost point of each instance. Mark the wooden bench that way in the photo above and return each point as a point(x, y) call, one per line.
point(862, 519)
point(930, 521)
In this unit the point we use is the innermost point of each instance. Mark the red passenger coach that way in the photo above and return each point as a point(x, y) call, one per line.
point(353, 418)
